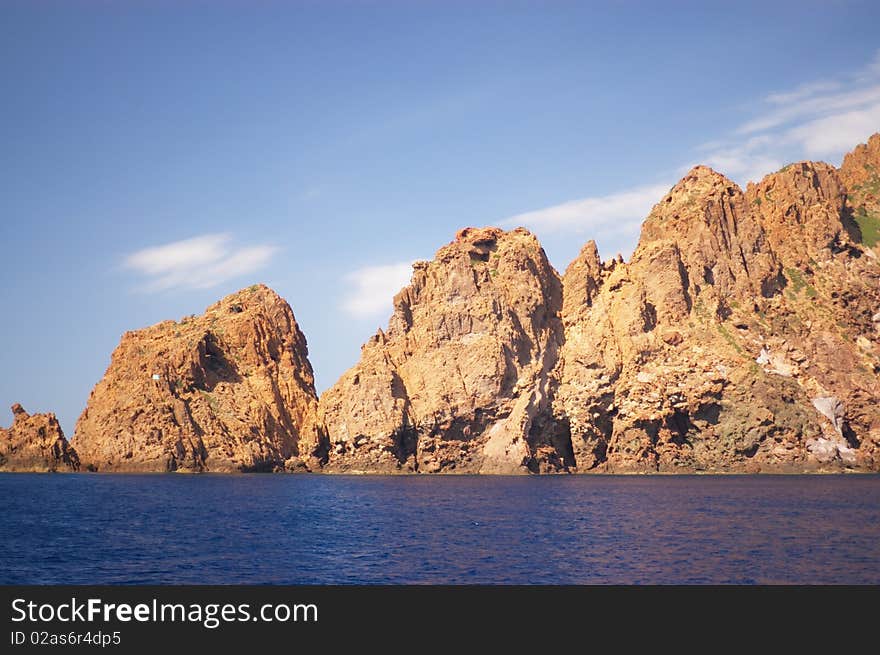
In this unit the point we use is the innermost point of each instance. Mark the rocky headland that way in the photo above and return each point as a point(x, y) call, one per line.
point(35, 443)
point(230, 390)
point(743, 335)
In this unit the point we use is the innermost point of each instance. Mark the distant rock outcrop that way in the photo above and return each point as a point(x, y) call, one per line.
point(231, 390)
point(461, 380)
point(35, 443)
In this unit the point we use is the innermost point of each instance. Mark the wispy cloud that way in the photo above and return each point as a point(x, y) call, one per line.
point(810, 101)
point(749, 160)
point(197, 263)
point(820, 119)
point(620, 211)
point(838, 133)
point(372, 288)
point(802, 92)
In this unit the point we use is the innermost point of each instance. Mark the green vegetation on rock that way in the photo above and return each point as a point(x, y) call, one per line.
point(869, 225)
point(798, 284)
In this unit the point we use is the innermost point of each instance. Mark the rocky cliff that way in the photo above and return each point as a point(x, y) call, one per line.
point(35, 443)
point(231, 390)
point(738, 338)
point(461, 380)
point(741, 336)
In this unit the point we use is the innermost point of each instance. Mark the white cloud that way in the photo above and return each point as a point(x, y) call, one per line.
point(821, 119)
point(615, 211)
point(835, 134)
point(372, 288)
point(750, 160)
point(802, 92)
point(818, 103)
point(871, 71)
point(818, 119)
point(197, 263)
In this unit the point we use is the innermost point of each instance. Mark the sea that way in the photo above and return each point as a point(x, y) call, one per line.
point(323, 529)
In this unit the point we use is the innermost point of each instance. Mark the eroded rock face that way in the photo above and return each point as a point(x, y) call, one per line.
point(705, 352)
point(801, 209)
point(703, 224)
point(231, 390)
point(823, 325)
point(741, 336)
point(35, 443)
point(461, 380)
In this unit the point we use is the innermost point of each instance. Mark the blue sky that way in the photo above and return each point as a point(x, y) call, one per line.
point(157, 156)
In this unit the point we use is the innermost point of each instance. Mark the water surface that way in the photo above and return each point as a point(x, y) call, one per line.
point(289, 529)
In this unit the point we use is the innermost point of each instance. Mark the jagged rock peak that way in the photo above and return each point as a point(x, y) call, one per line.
point(480, 242)
point(702, 196)
point(589, 258)
point(800, 208)
point(230, 390)
point(805, 182)
point(702, 177)
point(582, 280)
point(703, 231)
point(862, 164)
point(35, 443)
point(476, 261)
point(462, 374)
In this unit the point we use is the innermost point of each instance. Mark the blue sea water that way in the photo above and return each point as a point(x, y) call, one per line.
point(290, 529)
